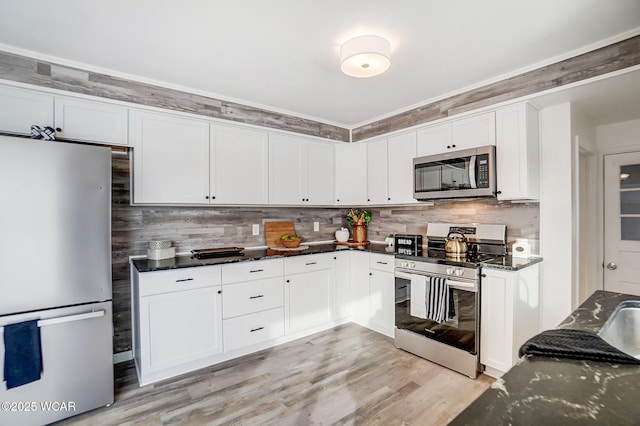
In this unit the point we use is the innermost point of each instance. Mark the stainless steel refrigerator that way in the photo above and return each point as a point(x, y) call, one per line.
point(55, 267)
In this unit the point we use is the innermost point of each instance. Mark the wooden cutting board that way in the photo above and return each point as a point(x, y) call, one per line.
point(273, 231)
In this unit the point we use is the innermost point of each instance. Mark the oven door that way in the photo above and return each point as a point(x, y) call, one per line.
point(460, 330)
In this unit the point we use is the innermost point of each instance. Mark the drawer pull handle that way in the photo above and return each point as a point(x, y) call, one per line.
point(256, 297)
point(184, 279)
point(310, 263)
point(381, 263)
point(257, 270)
point(257, 329)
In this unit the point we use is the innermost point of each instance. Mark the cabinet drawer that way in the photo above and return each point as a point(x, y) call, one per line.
point(301, 264)
point(253, 296)
point(381, 262)
point(178, 279)
point(252, 270)
point(253, 328)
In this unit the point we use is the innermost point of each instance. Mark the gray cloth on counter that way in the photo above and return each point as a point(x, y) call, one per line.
point(574, 344)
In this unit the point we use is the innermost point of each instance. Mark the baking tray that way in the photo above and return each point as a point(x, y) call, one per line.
point(217, 252)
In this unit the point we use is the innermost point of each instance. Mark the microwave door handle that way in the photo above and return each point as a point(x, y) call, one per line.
point(472, 172)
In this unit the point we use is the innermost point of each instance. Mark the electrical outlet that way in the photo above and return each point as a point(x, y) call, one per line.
point(256, 229)
point(316, 226)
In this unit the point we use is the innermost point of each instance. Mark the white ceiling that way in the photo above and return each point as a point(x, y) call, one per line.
point(284, 54)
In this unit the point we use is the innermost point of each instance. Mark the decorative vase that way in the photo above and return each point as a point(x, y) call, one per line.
point(359, 233)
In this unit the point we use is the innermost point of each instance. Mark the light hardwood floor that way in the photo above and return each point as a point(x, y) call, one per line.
point(348, 375)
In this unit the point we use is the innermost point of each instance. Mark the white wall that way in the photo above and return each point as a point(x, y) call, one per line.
point(587, 275)
point(556, 214)
point(618, 137)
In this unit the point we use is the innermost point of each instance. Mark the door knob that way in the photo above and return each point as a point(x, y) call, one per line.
point(612, 266)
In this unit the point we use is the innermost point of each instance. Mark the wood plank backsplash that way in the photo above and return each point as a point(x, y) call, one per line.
point(47, 74)
point(598, 62)
point(200, 227)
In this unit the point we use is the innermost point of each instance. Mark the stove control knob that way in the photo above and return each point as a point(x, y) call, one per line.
point(412, 265)
point(449, 271)
point(458, 272)
point(404, 264)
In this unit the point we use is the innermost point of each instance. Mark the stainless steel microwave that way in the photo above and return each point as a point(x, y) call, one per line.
point(464, 173)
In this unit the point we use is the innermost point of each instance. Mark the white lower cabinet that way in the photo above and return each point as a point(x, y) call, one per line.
point(510, 315)
point(381, 294)
point(253, 303)
point(309, 292)
point(189, 318)
point(178, 326)
point(251, 329)
point(342, 276)
point(373, 291)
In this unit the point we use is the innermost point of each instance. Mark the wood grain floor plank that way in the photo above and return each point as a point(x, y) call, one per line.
point(348, 375)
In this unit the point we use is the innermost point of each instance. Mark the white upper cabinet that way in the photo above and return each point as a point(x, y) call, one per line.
point(22, 108)
point(465, 133)
point(239, 165)
point(377, 179)
point(300, 171)
point(91, 121)
point(170, 159)
point(390, 170)
point(517, 153)
point(351, 174)
point(433, 140)
point(401, 151)
point(77, 119)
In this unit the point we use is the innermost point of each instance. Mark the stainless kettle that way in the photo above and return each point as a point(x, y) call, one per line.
point(455, 244)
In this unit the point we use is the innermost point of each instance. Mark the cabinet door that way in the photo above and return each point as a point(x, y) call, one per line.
point(240, 165)
point(360, 288)
point(319, 172)
point(433, 140)
point(401, 150)
point(308, 300)
point(342, 274)
point(285, 170)
point(377, 180)
point(382, 302)
point(180, 327)
point(22, 108)
point(170, 159)
point(517, 153)
point(84, 120)
point(496, 327)
point(475, 131)
point(351, 174)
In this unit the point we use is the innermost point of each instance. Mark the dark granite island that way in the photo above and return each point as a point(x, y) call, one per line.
point(554, 391)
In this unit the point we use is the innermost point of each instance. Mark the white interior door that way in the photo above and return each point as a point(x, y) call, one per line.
point(622, 223)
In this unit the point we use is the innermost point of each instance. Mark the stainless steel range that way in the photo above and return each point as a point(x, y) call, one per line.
point(437, 313)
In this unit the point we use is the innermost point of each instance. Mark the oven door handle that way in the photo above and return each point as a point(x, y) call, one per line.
point(460, 285)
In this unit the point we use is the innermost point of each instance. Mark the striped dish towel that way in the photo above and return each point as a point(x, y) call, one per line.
point(438, 299)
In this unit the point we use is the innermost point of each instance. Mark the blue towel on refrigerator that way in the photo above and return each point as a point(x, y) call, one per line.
point(438, 299)
point(22, 353)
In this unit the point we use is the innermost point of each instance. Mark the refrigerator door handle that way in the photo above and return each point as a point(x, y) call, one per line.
point(70, 318)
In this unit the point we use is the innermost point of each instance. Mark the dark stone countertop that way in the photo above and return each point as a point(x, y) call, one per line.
point(555, 391)
point(146, 265)
point(506, 263)
point(509, 263)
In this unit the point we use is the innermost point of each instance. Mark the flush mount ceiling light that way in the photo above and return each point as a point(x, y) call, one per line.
point(365, 56)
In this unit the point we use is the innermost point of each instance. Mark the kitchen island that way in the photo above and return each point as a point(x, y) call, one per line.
point(549, 391)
